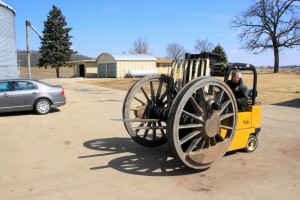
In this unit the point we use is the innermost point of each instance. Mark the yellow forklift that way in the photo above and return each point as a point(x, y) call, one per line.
point(249, 121)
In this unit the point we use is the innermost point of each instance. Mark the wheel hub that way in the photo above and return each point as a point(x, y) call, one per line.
point(212, 125)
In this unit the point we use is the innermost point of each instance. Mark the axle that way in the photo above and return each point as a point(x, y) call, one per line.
point(163, 112)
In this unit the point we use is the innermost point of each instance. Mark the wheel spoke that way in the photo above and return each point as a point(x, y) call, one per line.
point(201, 146)
point(226, 127)
point(196, 106)
point(161, 130)
point(219, 96)
point(213, 141)
point(207, 143)
point(189, 136)
point(192, 145)
point(222, 117)
point(193, 116)
point(219, 138)
point(165, 102)
point(224, 105)
point(147, 130)
point(138, 128)
point(154, 131)
point(163, 96)
point(190, 126)
point(152, 91)
point(210, 90)
point(145, 94)
point(137, 120)
point(201, 93)
point(145, 127)
point(158, 92)
point(143, 103)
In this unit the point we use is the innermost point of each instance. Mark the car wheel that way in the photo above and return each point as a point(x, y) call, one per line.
point(42, 106)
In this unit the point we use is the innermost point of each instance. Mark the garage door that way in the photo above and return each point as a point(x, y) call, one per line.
point(107, 70)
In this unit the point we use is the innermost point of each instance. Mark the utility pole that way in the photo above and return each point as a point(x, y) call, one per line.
point(19, 65)
point(28, 24)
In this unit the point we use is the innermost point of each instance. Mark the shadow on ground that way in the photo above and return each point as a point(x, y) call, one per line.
point(24, 113)
point(295, 103)
point(144, 161)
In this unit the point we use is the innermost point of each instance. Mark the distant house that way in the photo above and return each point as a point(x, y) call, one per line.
point(118, 65)
point(108, 65)
point(85, 68)
point(163, 65)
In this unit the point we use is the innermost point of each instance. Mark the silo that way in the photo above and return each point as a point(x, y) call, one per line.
point(8, 49)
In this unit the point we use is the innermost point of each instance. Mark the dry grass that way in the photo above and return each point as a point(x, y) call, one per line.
point(49, 70)
point(114, 83)
point(276, 88)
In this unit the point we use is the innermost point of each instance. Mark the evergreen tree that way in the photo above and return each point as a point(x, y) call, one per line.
point(55, 45)
point(219, 50)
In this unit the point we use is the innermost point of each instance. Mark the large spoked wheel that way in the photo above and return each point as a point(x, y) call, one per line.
point(201, 122)
point(140, 110)
point(42, 106)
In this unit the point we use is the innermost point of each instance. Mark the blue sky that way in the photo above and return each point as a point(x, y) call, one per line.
point(113, 25)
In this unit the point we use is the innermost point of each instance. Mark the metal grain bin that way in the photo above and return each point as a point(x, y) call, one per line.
point(8, 49)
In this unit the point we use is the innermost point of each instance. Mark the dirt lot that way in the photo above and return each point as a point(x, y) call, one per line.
point(78, 152)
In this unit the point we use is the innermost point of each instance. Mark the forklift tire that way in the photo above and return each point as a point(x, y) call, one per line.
point(251, 144)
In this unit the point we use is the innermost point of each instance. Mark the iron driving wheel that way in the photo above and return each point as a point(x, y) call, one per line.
point(201, 122)
point(145, 110)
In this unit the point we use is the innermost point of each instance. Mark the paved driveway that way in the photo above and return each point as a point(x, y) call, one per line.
point(78, 152)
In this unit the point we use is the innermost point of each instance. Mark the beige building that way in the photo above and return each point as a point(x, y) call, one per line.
point(163, 66)
point(108, 65)
point(85, 68)
point(119, 65)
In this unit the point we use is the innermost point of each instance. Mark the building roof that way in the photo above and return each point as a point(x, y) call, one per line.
point(124, 56)
point(7, 6)
point(81, 61)
point(163, 60)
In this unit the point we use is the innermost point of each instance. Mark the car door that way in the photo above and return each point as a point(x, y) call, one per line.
point(23, 95)
point(5, 95)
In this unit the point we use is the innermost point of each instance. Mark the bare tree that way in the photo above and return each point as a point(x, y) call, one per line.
point(140, 46)
point(269, 24)
point(203, 46)
point(175, 51)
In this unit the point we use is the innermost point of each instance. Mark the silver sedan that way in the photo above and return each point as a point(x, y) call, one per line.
point(27, 94)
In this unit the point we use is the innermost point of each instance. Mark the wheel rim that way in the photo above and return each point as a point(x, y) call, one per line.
point(149, 92)
point(204, 121)
point(252, 144)
point(43, 106)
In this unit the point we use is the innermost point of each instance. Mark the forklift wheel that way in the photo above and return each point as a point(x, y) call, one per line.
point(251, 144)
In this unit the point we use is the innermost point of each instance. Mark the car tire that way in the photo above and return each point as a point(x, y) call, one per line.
point(42, 106)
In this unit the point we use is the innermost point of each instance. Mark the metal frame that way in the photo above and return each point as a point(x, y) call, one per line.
point(243, 67)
